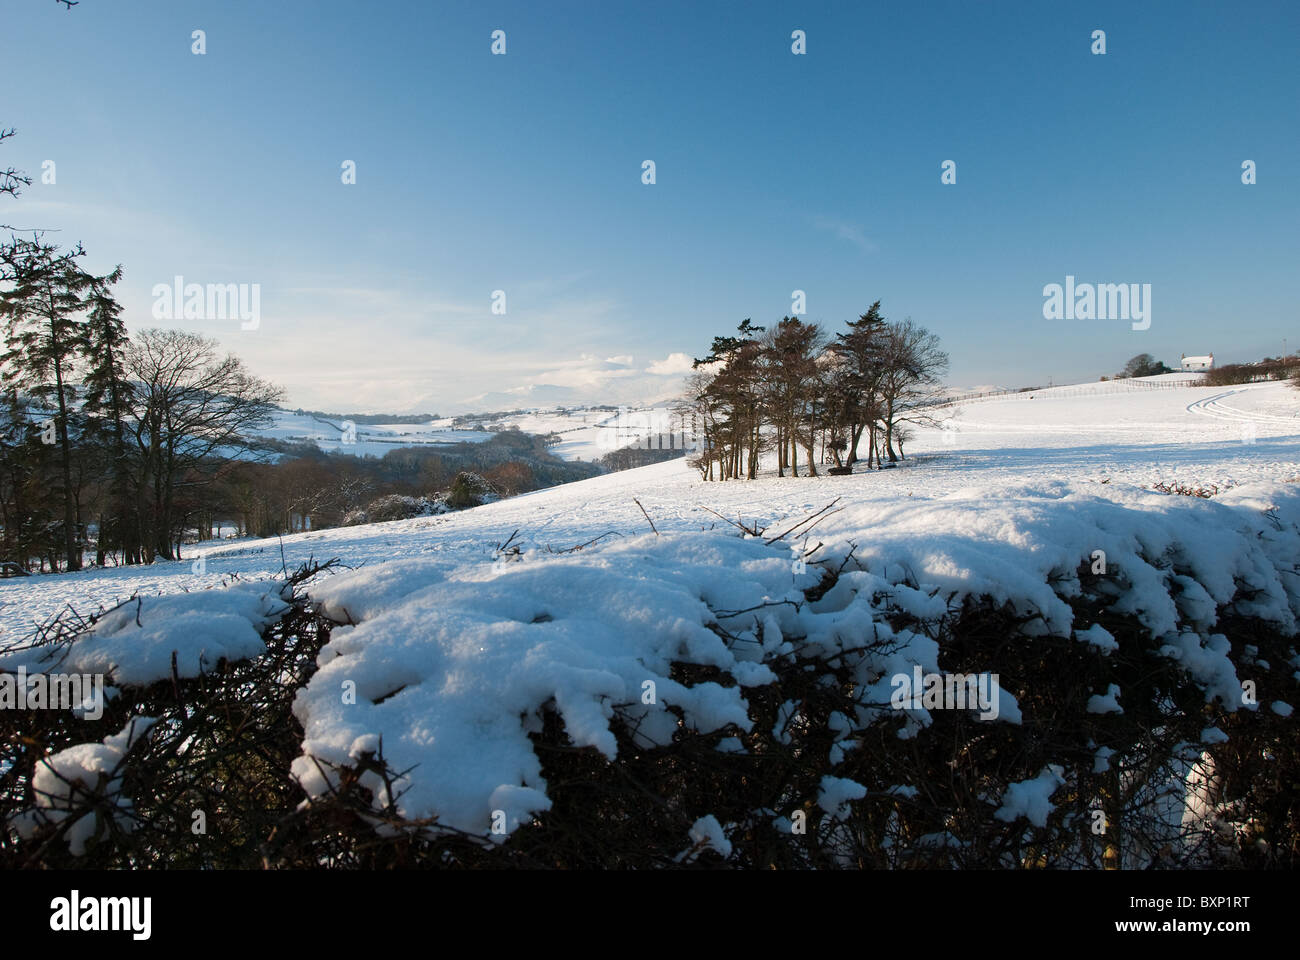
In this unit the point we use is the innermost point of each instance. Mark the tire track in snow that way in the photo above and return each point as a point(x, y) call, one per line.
point(1215, 407)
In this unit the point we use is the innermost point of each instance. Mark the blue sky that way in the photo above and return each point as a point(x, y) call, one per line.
point(774, 172)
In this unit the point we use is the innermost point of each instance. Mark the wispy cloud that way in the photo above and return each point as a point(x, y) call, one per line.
point(844, 230)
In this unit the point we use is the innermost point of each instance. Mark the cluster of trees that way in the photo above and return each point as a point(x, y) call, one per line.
point(1269, 368)
point(126, 447)
point(123, 447)
point(98, 429)
point(359, 418)
point(102, 431)
point(1143, 365)
point(308, 488)
point(796, 388)
point(629, 458)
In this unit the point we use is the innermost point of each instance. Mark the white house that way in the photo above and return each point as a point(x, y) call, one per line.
point(1198, 363)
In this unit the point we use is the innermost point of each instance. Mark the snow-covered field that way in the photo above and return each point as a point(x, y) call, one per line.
point(585, 434)
point(453, 644)
point(365, 439)
point(987, 449)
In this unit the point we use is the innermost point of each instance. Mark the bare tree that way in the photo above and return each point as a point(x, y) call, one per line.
point(192, 412)
point(11, 180)
point(911, 365)
point(697, 407)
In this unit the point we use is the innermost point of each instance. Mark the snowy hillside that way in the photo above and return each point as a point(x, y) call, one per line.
point(456, 630)
point(584, 433)
point(364, 439)
point(1081, 435)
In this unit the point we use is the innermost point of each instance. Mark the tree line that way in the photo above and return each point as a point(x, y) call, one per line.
point(307, 488)
point(797, 390)
point(103, 430)
point(121, 447)
point(124, 447)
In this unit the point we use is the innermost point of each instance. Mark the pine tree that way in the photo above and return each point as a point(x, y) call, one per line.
point(42, 341)
point(106, 404)
point(793, 388)
point(861, 367)
point(735, 401)
point(28, 509)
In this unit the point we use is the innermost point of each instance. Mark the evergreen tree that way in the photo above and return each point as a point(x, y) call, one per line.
point(42, 342)
point(1144, 365)
point(28, 507)
point(857, 382)
point(735, 403)
point(794, 390)
point(12, 181)
point(106, 405)
point(790, 387)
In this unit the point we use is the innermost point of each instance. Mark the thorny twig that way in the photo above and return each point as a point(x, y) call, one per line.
point(646, 515)
point(816, 516)
point(754, 531)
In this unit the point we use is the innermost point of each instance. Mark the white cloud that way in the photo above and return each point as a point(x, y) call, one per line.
point(587, 380)
point(674, 363)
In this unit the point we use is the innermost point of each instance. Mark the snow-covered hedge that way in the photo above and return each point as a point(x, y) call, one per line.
point(396, 506)
point(712, 696)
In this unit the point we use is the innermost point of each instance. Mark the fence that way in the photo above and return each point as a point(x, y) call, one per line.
point(1092, 389)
